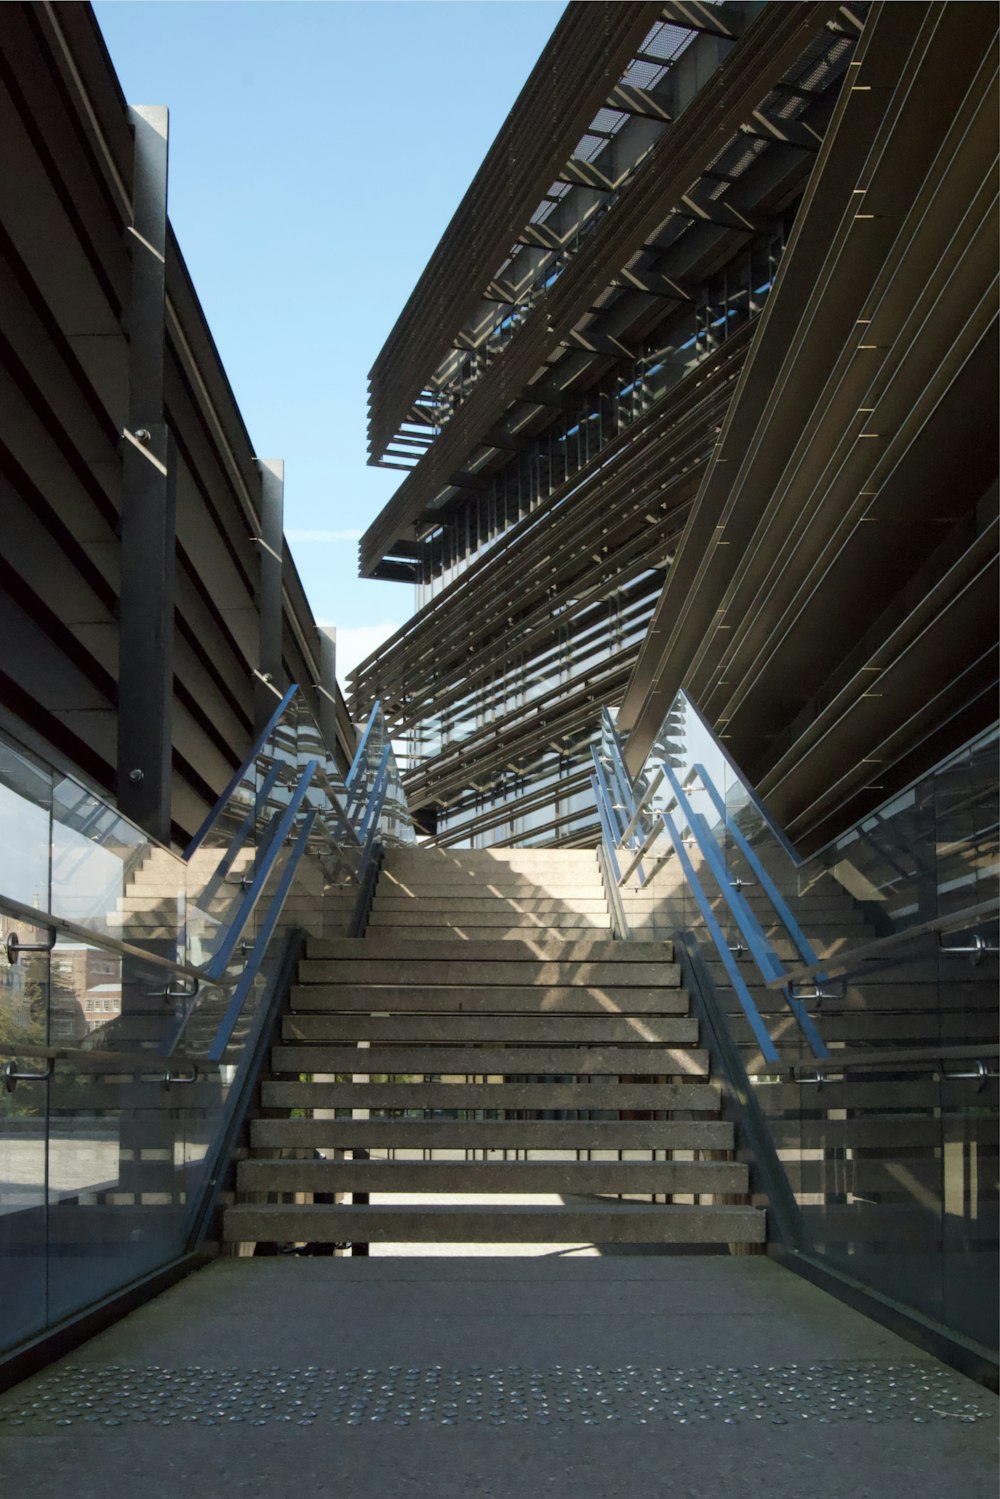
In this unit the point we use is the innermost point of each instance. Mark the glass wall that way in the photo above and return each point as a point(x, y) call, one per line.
point(889, 1142)
point(133, 983)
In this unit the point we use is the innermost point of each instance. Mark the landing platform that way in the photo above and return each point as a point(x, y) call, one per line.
point(562, 1376)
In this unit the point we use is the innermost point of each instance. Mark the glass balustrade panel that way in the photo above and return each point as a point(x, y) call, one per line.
point(23, 1129)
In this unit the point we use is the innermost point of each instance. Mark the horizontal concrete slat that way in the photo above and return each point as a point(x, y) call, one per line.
point(427, 886)
point(482, 1134)
point(621, 1223)
point(482, 858)
point(701, 1177)
point(643, 1061)
point(548, 973)
point(471, 933)
point(528, 949)
point(665, 1097)
point(535, 999)
point(598, 1028)
point(529, 921)
point(396, 901)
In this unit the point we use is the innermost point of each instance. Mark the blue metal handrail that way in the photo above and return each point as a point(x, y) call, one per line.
point(764, 955)
point(359, 754)
point(768, 963)
point(638, 836)
point(242, 991)
point(240, 837)
point(768, 1049)
point(774, 895)
point(240, 774)
point(278, 831)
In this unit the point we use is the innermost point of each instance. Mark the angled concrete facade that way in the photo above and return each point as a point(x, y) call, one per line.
point(146, 592)
point(714, 411)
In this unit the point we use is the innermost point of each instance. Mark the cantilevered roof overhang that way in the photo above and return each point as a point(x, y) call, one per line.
point(832, 605)
point(592, 42)
point(739, 103)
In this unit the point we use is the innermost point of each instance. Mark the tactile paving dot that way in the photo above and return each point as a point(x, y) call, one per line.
point(780, 1394)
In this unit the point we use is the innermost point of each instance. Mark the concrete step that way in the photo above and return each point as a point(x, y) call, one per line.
point(145, 920)
point(468, 905)
point(492, 1134)
point(601, 1223)
point(426, 884)
point(577, 1061)
point(599, 1029)
point(587, 950)
point(660, 1097)
point(441, 930)
point(159, 891)
point(548, 973)
point(161, 905)
point(617, 1177)
point(428, 916)
point(478, 858)
point(476, 999)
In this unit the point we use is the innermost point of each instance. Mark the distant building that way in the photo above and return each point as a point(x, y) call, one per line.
point(669, 418)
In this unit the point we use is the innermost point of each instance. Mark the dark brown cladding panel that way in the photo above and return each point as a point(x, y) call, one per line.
point(585, 56)
point(768, 49)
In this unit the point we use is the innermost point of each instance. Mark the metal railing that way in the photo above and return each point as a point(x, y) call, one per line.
point(872, 1144)
point(141, 984)
point(639, 836)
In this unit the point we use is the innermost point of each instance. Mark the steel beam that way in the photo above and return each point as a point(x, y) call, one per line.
point(148, 529)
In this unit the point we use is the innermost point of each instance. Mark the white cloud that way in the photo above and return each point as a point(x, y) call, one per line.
point(356, 642)
point(350, 535)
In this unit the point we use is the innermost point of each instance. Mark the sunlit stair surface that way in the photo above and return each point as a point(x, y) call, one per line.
point(487, 1065)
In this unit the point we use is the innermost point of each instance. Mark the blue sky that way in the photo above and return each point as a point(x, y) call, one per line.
point(318, 149)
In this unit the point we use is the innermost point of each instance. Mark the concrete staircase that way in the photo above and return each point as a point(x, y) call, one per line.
point(488, 1065)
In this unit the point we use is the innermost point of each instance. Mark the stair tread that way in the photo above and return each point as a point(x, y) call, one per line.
point(624, 1222)
point(533, 999)
point(514, 1134)
point(537, 1029)
point(376, 947)
point(457, 973)
point(652, 1059)
point(700, 1177)
point(700, 1097)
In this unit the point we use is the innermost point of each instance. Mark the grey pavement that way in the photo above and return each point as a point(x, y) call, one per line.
point(469, 1377)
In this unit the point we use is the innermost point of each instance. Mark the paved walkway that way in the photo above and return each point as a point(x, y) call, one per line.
point(555, 1377)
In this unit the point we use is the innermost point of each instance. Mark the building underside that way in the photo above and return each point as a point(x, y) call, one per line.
point(700, 393)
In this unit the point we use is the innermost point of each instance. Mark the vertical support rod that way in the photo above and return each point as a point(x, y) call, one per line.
point(271, 546)
point(148, 521)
